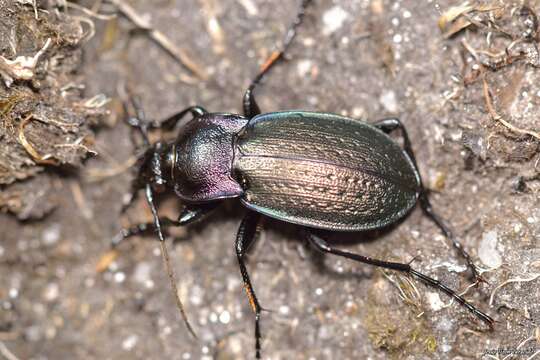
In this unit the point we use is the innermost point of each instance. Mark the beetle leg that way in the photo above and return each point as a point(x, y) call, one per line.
point(244, 238)
point(428, 210)
point(139, 120)
point(172, 120)
point(389, 125)
point(142, 228)
point(323, 246)
point(250, 105)
point(188, 215)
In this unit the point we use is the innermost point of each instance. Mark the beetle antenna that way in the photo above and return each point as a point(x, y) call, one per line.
point(166, 259)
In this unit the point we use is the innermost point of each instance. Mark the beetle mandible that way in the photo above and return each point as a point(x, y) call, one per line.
point(317, 170)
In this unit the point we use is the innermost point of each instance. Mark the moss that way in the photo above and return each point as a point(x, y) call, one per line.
point(393, 324)
point(431, 344)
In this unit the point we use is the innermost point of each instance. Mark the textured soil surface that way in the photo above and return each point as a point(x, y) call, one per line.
point(472, 114)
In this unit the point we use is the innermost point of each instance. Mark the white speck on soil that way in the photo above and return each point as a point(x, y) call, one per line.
point(129, 343)
point(51, 235)
point(51, 292)
point(487, 250)
point(333, 19)
point(304, 67)
point(13, 293)
point(119, 277)
point(435, 301)
point(33, 333)
point(142, 273)
point(388, 101)
point(225, 317)
point(452, 267)
point(446, 348)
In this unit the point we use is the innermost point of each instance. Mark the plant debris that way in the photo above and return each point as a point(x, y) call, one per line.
point(44, 117)
point(496, 36)
point(22, 67)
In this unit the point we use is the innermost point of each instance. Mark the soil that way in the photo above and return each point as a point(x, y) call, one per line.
point(470, 109)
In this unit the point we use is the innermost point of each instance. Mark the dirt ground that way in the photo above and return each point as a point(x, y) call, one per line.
point(471, 111)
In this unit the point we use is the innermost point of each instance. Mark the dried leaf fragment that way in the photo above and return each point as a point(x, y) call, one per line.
point(22, 67)
point(451, 20)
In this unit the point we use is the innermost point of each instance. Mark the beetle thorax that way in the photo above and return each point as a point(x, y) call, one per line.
point(204, 153)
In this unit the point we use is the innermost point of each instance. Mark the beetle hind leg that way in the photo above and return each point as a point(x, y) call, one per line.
point(246, 234)
point(321, 245)
point(388, 126)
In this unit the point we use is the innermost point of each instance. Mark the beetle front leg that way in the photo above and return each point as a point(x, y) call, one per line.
point(389, 125)
point(172, 120)
point(244, 238)
point(250, 105)
point(323, 246)
point(189, 215)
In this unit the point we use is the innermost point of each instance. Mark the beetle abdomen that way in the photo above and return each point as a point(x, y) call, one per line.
point(323, 171)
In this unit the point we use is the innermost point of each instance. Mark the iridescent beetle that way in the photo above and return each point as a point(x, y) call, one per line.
point(317, 170)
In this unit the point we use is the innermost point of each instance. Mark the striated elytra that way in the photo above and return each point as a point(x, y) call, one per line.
point(323, 171)
point(317, 170)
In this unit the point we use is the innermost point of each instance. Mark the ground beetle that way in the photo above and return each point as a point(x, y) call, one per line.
point(318, 170)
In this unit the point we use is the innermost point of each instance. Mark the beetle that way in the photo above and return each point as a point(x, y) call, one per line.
point(316, 170)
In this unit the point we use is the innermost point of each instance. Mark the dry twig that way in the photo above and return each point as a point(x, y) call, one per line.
point(90, 12)
point(495, 116)
point(178, 53)
point(6, 352)
point(492, 296)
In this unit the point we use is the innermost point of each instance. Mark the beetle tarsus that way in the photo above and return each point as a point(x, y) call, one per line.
point(323, 246)
point(142, 228)
point(194, 213)
point(428, 210)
